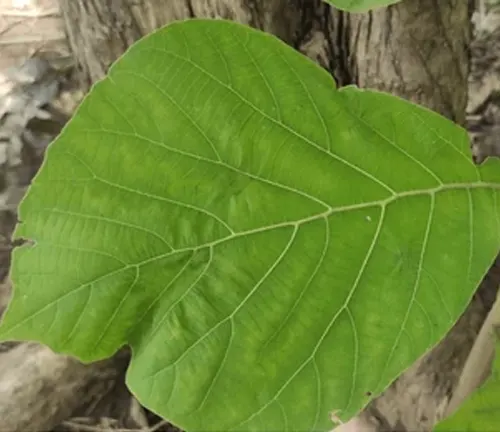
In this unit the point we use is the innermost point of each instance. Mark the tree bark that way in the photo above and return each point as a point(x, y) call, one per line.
point(417, 49)
point(40, 389)
point(99, 31)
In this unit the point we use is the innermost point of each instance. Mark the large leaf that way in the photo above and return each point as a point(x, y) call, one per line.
point(360, 5)
point(272, 249)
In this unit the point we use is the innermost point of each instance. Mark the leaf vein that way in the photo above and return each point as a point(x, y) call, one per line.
point(80, 249)
point(165, 289)
point(277, 123)
point(79, 319)
point(326, 245)
point(181, 110)
point(266, 81)
point(221, 366)
point(395, 146)
point(117, 309)
point(311, 99)
point(365, 205)
point(471, 234)
point(172, 201)
point(416, 285)
point(356, 359)
point(167, 313)
point(110, 220)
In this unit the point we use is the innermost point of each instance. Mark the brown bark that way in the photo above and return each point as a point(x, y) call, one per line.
point(40, 389)
point(100, 31)
point(417, 49)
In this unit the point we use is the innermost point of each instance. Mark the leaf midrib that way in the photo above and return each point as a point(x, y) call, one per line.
point(332, 210)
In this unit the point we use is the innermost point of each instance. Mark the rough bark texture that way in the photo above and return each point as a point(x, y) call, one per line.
point(34, 28)
point(40, 389)
point(100, 31)
point(417, 49)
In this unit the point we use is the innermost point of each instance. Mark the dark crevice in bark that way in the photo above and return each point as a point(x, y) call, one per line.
point(340, 66)
point(190, 8)
point(256, 15)
point(304, 30)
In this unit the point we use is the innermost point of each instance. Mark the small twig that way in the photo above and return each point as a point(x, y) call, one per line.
point(29, 40)
point(478, 365)
point(157, 426)
point(75, 424)
point(30, 13)
point(79, 426)
point(26, 14)
point(10, 26)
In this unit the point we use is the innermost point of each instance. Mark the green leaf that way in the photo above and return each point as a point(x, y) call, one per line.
point(360, 5)
point(271, 248)
point(481, 412)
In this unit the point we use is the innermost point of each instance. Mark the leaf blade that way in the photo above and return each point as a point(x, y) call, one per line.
point(361, 5)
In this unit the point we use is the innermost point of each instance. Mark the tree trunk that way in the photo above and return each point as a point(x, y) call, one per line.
point(100, 31)
point(417, 49)
point(41, 389)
